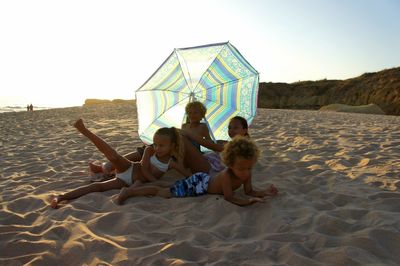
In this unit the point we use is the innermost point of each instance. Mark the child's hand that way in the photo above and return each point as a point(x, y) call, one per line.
point(254, 200)
point(271, 191)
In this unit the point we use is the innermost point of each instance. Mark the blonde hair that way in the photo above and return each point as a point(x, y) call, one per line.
point(197, 105)
point(239, 147)
point(175, 137)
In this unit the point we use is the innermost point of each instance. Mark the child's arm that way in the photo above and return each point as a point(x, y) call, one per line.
point(205, 133)
point(208, 143)
point(145, 164)
point(248, 189)
point(179, 167)
point(228, 193)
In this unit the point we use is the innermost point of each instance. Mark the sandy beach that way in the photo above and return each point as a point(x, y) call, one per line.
point(339, 202)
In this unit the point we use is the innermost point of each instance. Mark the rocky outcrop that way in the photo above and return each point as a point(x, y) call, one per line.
point(380, 88)
point(362, 109)
point(89, 102)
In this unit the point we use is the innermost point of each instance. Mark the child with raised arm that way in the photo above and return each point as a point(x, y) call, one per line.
point(195, 112)
point(167, 153)
point(239, 155)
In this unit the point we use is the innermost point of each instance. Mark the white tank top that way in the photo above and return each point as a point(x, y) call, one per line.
point(163, 167)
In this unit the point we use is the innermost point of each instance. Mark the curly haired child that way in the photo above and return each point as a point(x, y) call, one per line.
point(239, 155)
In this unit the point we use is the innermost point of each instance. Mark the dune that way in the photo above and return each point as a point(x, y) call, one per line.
point(363, 109)
point(338, 175)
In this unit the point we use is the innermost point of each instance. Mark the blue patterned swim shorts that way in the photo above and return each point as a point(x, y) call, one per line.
point(194, 185)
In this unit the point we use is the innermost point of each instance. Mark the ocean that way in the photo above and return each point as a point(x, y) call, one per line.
point(5, 109)
point(19, 104)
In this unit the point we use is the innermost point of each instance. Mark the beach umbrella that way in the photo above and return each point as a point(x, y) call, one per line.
point(216, 75)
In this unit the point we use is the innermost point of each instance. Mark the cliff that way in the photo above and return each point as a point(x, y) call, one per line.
point(381, 88)
point(89, 102)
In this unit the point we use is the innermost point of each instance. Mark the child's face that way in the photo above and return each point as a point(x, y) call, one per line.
point(242, 168)
point(235, 128)
point(195, 115)
point(162, 145)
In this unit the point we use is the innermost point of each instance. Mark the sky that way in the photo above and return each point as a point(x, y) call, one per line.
point(59, 53)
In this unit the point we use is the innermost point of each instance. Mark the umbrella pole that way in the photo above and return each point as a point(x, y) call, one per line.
point(210, 131)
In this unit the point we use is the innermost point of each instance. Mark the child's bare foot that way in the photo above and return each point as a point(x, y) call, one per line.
point(79, 125)
point(273, 190)
point(54, 202)
point(122, 196)
point(255, 199)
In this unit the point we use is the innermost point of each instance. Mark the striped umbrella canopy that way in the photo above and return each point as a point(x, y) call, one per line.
point(216, 75)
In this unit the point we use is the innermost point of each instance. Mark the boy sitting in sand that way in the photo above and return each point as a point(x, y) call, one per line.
point(239, 155)
point(166, 153)
point(195, 112)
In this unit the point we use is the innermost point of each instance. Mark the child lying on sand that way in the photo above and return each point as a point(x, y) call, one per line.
point(195, 112)
point(239, 156)
point(166, 154)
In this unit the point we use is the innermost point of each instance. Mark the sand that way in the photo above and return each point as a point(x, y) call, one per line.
point(339, 202)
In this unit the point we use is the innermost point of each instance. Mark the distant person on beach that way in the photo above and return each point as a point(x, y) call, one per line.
point(239, 155)
point(28, 107)
point(166, 153)
point(195, 112)
point(31, 107)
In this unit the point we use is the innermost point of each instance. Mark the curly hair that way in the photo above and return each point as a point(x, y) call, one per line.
point(175, 137)
point(239, 147)
point(198, 105)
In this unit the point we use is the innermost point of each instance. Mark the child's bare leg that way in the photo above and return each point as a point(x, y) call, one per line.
point(95, 168)
point(272, 190)
point(120, 162)
point(133, 156)
point(142, 191)
point(136, 183)
point(54, 201)
point(83, 190)
point(194, 159)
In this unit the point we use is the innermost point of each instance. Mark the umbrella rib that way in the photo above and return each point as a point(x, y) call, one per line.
point(164, 111)
point(244, 59)
point(180, 92)
point(154, 72)
point(179, 62)
point(166, 89)
point(232, 81)
point(215, 58)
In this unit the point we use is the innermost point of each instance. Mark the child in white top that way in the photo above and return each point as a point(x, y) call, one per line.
point(166, 146)
point(195, 112)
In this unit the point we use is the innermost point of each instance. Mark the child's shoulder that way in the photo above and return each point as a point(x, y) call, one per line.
point(203, 125)
point(222, 174)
